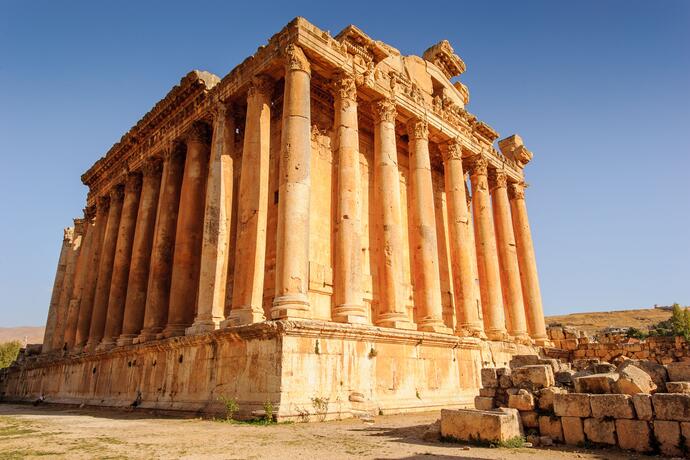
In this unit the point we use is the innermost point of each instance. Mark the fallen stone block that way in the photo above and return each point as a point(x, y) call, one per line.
point(667, 434)
point(671, 406)
point(616, 406)
point(603, 368)
point(475, 425)
point(487, 392)
point(634, 435)
point(596, 383)
point(551, 426)
point(523, 360)
point(685, 433)
point(643, 406)
point(565, 377)
point(546, 397)
point(533, 377)
point(489, 377)
point(433, 431)
point(678, 387)
point(600, 431)
point(523, 400)
point(656, 371)
point(572, 405)
point(530, 419)
point(482, 403)
point(505, 381)
point(584, 363)
point(573, 432)
point(679, 371)
point(633, 380)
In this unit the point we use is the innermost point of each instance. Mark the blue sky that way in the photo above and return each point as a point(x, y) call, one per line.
point(599, 91)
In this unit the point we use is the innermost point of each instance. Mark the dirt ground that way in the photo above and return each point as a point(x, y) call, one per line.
point(58, 432)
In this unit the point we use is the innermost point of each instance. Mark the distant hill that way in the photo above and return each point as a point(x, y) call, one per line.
point(28, 334)
point(597, 321)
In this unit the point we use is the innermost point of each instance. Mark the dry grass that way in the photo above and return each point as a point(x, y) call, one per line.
point(597, 321)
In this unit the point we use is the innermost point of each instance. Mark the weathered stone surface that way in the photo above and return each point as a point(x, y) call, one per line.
point(505, 381)
point(679, 371)
point(530, 419)
point(634, 380)
point(596, 383)
point(564, 377)
point(616, 406)
point(572, 405)
point(533, 377)
point(671, 406)
point(643, 406)
point(685, 433)
point(634, 435)
point(489, 377)
point(600, 431)
point(523, 401)
point(678, 387)
point(523, 360)
point(433, 431)
point(656, 371)
point(573, 431)
point(667, 434)
point(551, 426)
point(487, 392)
point(473, 425)
point(546, 397)
point(482, 403)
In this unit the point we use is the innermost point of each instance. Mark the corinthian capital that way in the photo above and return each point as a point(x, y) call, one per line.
point(295, 59)
point(497, 179)
point(384, 111)
point(89, 212)
point(199, 132)
point(344, 87)
point(516, 190)
point(262, 85)
point(451, 150)
point(417, 129)
point(117, 193)
point(152, 166)
point(478, 165)
point(133, 181)
point(103, 205)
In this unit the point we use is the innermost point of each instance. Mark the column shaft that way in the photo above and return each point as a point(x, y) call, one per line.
point(294, 189)
point(426, 277)
point(135, 301)
point(184, 282)
point(487, 255)
point(57, 290)
point(58, 341)
point(389, 224)
point(347, 286)
point(528, 265)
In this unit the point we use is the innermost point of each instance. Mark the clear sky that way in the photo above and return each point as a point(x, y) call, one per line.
point(599, 91)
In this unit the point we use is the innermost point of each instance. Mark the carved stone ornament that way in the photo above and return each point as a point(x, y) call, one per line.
point(199, 132)
point(384, 111)
point(133, 181)
point(295, 59)
point(452, 150)
point(117, 192)
point(344, 87)
point(174, 152)
point(479, 165)
point(516, 191)
point(417, 129)
point(262, 85)
point(68, 234)
point(514, 149)
point(152, 166)
point(497, 179)
point(103, 204)
point(79, 226)
point(90, 212)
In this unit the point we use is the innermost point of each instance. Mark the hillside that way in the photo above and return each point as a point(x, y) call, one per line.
point(29, 334)
point(596, 321)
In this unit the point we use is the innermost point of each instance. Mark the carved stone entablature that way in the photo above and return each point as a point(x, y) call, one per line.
point(514, 149)
point(295, 59)
point(362, 48)
point(400, 84)
point(451, 150)
point(516, 190)
point(198, 132)
point(384, 111)
point(417, 129)
point(485, 131)
point(464, 91)
point(443, 56)
point(497, 179)
point(261, 85)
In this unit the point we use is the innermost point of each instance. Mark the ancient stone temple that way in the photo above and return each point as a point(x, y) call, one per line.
point(326, 223)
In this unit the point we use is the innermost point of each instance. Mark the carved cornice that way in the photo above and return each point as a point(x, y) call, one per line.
point(516, 190)
point(443, 56)
point(417, 129)
point(384, 111)
point(295, 59)
point(513, 148)
point(262, 86)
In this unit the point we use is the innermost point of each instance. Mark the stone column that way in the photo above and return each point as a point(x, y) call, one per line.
point(91, 276)
point(487, 255)
point(215, 246)
point(58, 341)
point(80, 273)
point(184, 282)
point(158, 289)
point(250, 244)
point(528, 265)
point(463, 255)
point(123, 254)
point(507, 257)
point(135, 301)
point(67, 237)
point(294, 188)
point(426, 277)
point(389, 223)
point(347, 286)
point(105, 268)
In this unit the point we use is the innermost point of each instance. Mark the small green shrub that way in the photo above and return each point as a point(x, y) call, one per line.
point(9, 352)
point(231, 406)
point(269, 410)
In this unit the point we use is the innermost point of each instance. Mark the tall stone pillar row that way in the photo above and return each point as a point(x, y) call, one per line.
point(426, 277)
point(294, 190)
point(91, 274)
point(347, 286)
point(58, 341)
point(105, 269)
point(215, 246)
point(507, 257)
point(160, 271)
point(135, 300)
point(81, 270)
point(184, 282)
point(392, 312)
point(67, 238)
point(528, 265)
point(123, 254)
point(250, 243)
point(463, 255)
point(487, 253)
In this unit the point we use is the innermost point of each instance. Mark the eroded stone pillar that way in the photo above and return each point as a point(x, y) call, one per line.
point(294, 188)
point(184, 282)
point(528, 264)
point(389, 222)
point(58, 341)
point(158, 289)
point(215, 246)
point(135, 300)
point(425, 272)
point(507, 257)
point(105, 268)
point(123, 254)
point(463, 255)
point(347, 284)
point(250, 243)
point(51, 322)
point(487, 254)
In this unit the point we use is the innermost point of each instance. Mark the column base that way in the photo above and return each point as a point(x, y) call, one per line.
point(106, 344)
point(543, 342)
point(522, 338)
point(396, 321)
point(350, 313)
point(434, 326)
point(243, 315)
point(173, 330)
point(497, 335)
point(291, 306)
point(126, 339)
point(147, 335)
point(90, 347)
point(202, 327)
point(470, 330)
